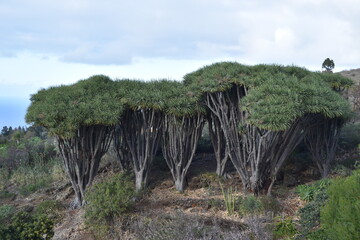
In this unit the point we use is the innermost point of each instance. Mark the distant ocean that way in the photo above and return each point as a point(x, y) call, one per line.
point(12, 112)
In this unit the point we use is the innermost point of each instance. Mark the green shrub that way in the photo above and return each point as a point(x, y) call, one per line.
point(249, 205)
point(306, 192)
point(350, 136)
point(284, 227)
point(50, 208)
point(107, 200)
point(318, 234)
point(316, 195)
point(310, 213)
point(4, 194)
point(26, 227)
point(270, 204)
point(340, 217)
point(6, 212)
point(342, 171)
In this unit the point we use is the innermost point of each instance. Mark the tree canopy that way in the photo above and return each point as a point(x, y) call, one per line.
point(63, 109)
point(328, 64)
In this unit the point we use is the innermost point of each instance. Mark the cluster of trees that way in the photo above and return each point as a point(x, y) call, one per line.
point(257, 115)
point(23, 146)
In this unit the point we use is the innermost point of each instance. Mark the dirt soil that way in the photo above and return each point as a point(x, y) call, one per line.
point(161, 197)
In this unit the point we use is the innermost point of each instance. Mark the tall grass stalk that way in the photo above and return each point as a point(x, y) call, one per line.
point(229, 199)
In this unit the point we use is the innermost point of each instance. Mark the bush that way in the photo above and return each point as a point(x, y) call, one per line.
point(350, 136)
point(4, 194)
point(50, 208)
point(340, 217)
point(6, 212)
point(318, 234)
point(249, 205)
point(26, 227)
point(308, 192)
point(284, 227)
point(107, 200)
point(310, 213)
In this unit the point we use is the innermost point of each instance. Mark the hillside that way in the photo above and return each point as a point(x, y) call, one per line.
point(354, 74)
point(353, 94)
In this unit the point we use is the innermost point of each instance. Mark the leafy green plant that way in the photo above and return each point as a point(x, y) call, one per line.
point(305, 192)
point(340, 217)
point(308, 192)
point(6, 212)
point(50, 208)
point(107, 200)
point(310, 213)
point(284, 227)
point(229, 199)
point(4, 194)
point(318, 234)
point(249, 205)
point(24, 226)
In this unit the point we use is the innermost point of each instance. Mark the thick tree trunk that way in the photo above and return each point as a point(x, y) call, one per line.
point(256, 154)
point(219, 144)
point(321, 139)
point(142, 130)
point(82, 154)
point(121, 149)
point(180, 139)
point(180, 184)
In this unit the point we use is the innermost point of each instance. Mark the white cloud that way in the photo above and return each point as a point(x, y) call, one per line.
point(116, 32)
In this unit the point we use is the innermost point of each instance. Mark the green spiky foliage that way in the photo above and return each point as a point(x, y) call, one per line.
point(141, 123)
point(82, 116)
point(263, 111)
point(327, 119)
point(221, 87)
point(182, 127)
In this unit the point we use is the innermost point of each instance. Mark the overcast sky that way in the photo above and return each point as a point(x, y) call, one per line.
point(47, 42)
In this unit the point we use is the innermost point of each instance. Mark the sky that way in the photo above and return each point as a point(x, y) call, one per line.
point(48, 43)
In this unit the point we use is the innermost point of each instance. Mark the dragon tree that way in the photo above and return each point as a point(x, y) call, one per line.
point(323, 133)
point(140, 124)
point(263, 111)
point(182, 128)
point(82, 116)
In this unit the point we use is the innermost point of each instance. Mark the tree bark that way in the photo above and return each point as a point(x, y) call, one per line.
point(219, 144)
point(82, 154)
point(142, 130)
point(321, 139)
point(121, 149)
point(256, 154)
point(180, 139)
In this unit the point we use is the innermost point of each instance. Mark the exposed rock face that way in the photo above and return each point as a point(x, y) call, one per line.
point(353, 94)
